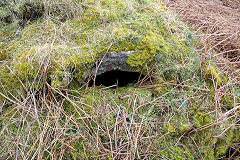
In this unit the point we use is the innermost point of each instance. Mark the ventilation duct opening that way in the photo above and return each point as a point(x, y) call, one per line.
point(116, 78)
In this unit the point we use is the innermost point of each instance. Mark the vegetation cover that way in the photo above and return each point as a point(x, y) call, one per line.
point(186, 107)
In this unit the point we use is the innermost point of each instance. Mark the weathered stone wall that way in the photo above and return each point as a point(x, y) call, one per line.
point(112, 61)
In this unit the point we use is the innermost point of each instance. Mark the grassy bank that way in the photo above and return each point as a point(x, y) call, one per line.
point(187, 108)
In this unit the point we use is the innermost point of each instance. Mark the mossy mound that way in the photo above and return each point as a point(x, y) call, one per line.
point(47, 113)
point(101, 27)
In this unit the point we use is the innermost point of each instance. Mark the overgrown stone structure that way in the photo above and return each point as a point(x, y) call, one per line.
point(113, 68)
point(112, 61)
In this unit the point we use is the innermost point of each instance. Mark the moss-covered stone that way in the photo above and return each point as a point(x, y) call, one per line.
point(48, 59)
point(100, 29)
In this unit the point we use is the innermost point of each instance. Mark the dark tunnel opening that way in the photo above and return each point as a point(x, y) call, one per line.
point(116, 77)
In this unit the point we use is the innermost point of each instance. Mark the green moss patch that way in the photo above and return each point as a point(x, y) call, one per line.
point(48, 113)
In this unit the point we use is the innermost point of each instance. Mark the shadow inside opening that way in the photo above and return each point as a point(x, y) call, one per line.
point(117, 78)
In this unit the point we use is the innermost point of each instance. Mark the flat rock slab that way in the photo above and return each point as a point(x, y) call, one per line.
point(112, 61)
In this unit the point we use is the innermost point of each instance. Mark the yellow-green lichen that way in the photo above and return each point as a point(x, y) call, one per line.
point(224, 143)
point(215, 75)
point(4, 53)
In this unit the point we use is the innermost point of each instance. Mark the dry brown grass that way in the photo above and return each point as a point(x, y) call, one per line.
point(47, 122)
point(220, 22)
